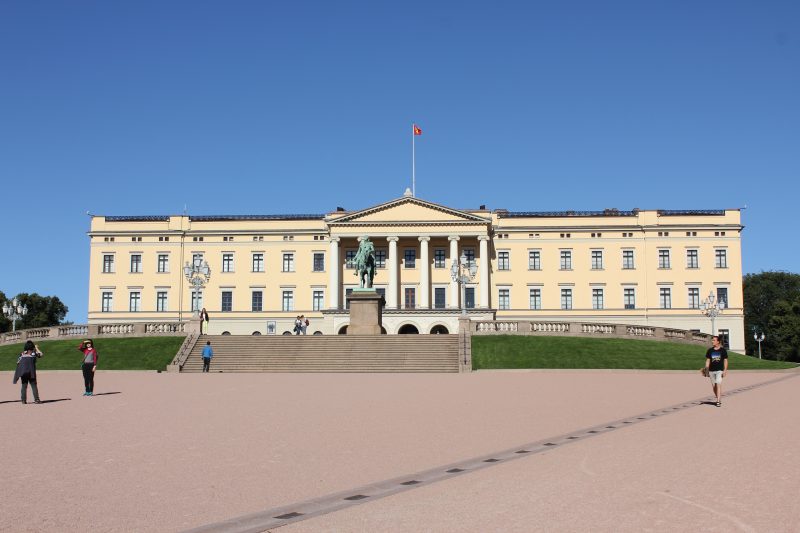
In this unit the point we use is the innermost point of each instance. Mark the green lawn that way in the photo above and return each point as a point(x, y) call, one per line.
point(518, 351)
point(135, 353)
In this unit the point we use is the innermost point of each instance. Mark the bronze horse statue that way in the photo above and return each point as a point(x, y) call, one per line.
point(364, 262)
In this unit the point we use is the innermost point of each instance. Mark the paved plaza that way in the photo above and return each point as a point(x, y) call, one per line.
point(529, 450)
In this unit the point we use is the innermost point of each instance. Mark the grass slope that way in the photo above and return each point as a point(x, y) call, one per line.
point(519, 351)
point(135, 353)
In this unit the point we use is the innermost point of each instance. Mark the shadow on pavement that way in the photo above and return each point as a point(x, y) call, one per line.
point(105, 393)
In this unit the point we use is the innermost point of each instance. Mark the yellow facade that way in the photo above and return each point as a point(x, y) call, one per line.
point(618, 267)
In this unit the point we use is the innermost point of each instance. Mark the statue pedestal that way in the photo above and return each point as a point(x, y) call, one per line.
point(366, 312)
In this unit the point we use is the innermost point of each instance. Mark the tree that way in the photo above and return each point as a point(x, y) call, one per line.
point(763, 294)
point(43, 311)
point(784, 326)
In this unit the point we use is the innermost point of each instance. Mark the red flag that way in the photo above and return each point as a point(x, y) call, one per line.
point(417, 131)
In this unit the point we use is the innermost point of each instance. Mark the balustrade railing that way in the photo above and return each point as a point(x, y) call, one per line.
point(586, 329)
point(98, 330)
point(550, 327)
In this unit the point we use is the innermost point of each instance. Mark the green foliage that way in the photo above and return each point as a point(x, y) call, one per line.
point(43, 311)
point(135, 353)
point(784, 326)
point(769, 298)
point(521, 351)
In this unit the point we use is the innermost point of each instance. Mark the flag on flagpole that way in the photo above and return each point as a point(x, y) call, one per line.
point(417, 130)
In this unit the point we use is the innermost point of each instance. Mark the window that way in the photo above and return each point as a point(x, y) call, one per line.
point(504, 299)
point(380, 258)
point(597, 259)
point(163, 263)
point(257, 301)
point(227, 301)
point(534, 260)
point(503, 262)
point(382, 292)
point(410, 298)
point(135, 302)
point(438, 258)
point(136, 263)
point(663, 259)
point(691, 259)
point(629, 298)
point(258, 262)
point(288, 301)
point(197, 300)
point(349, 259)
point(721, 260)
point(694, 298)
point(722, 295)
point(439, 295)
point(469, 253)
point(566, 298)
point(288, 262)
point(227, 262)
point(317, 300)
point(469, 297)
point(108, 263)
point(536, 298)
point(107, 302)
point(161, 301)
point(197, 259)
point(665, 298)
point(627, 260)
point(410, 258)
point(725, 338)
point(597, 298)
point(347, 293)
point(566, 260)
point(319, 262)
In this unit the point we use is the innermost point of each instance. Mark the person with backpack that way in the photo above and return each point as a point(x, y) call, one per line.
point(89, 365)
point(26, 371)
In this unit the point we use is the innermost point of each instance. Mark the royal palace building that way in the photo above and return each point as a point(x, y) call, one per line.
point(645, 267)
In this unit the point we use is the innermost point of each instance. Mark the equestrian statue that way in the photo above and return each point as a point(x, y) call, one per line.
point(364, 262)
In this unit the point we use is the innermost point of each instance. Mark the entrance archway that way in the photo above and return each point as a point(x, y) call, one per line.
point(408, 329)
point(439, 330)
point(343, 330)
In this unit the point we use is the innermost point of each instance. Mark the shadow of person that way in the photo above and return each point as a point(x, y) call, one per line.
point(105, 393)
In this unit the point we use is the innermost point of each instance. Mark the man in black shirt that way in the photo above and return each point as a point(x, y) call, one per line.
point(717, 367)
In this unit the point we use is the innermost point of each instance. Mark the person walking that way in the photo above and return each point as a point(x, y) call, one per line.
point(208, 353)
point(204, 322)
point(716, 367)
point(298, 325)
point(304, 324)
point(26, 371)
point(88, 366)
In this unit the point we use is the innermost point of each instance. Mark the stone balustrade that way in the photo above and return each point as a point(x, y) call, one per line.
point(139, 329)
point(587, 329)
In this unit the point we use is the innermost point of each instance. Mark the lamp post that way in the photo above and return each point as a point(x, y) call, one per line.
point(197, 274)
point(463, 271)
point(14, 312)
point(711, 307)
point(759, 338)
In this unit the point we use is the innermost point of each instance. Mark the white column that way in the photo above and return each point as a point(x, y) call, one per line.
point(484, 268)
point(333, 282)
point(424, 274)
point(391, 291)
point(453, 284)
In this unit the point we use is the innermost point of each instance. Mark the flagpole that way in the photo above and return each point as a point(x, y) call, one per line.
point(413, 163)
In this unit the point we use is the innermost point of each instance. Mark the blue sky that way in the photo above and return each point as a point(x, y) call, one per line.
point(294, 107)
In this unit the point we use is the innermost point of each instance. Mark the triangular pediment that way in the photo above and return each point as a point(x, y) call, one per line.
point(408, 210)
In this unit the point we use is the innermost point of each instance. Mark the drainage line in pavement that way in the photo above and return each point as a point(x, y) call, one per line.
point(281, 516)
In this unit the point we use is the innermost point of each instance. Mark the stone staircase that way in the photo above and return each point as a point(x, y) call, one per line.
point(327, 353)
